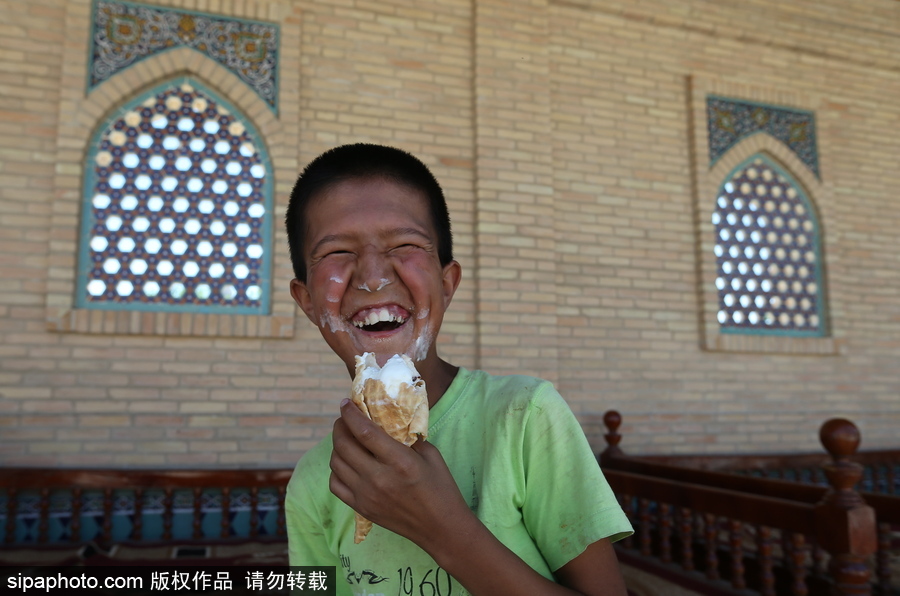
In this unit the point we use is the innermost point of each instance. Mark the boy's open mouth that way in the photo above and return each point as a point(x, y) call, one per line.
point(380, 319)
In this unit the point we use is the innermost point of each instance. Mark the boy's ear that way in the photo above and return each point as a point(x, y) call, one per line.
point(302, 297)
point(451, 277)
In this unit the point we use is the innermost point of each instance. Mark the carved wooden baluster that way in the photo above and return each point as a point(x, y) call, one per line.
point(820, 476)
point(893, 489)
point(137, 527)
point(226, 512)
point(764, 556)
point(75, 522)
point(819, 560)
point(254, 511)
point(890, 479)
point(883, 558)
point(107, 516)
point(847, 526)
point(736, 544)
point(665, 532)
point(11, 508)
point(868, 481)
point(686, 536)
point(281, 525)
point(644, 538)
point(797, 565)
point(879, 478)
point(712, 556)
point(198, 511)
point(44, 509)
point(628, 509)
point(786, 549)
point(611, 420)
point(168, 513)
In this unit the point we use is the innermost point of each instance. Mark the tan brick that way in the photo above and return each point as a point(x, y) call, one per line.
point(562, 133)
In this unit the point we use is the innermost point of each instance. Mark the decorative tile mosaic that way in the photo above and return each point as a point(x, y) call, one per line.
point(731, 120)
point(124, 33)
point(767, 254)
point(177, 211)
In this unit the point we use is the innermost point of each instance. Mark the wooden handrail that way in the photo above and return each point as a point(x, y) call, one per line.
point(836, 516)
point(87, 478)
point(755, 509)
point(781, 489)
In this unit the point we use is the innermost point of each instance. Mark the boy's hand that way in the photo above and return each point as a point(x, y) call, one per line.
point(408, 490)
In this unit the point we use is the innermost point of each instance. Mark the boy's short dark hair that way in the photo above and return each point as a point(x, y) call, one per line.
point(363, 160)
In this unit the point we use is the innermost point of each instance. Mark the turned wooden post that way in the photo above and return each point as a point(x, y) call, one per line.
point(845, 524)
point(611, 420)
point(11, 515)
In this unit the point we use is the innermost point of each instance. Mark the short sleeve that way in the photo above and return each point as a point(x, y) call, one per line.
point(568, 503)
point(307, 538)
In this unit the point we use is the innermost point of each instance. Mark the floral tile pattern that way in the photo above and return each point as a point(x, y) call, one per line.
point(124, 33)
point(731, 120)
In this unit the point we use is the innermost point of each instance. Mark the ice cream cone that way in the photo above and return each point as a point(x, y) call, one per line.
point(393, 397)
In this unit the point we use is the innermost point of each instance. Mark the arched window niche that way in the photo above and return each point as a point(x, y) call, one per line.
point(768, 253)
point(177, 208)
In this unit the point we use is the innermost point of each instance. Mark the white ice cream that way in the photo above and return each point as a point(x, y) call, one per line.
point(393, 374)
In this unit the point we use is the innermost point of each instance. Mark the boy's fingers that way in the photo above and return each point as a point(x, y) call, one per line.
point(340, 490)
point(425, 449)
point(370, 435)
point(347, 458)
point(352, 455)
point(342, 469)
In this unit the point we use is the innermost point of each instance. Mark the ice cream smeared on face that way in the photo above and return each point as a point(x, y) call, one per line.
point(423, 344)
point(334, 323)
point(334, 296)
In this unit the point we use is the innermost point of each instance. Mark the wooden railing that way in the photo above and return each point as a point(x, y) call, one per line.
point(719, 532)
point(74, 485)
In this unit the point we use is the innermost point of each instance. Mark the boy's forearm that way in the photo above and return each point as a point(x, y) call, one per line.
point(486, 567)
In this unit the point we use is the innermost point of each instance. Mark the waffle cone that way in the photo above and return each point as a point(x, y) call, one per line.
point(403, 416)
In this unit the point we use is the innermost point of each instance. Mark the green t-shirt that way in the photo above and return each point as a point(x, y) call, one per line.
point(519, 457)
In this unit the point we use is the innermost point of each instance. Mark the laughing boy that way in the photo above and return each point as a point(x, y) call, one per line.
point(505, 495)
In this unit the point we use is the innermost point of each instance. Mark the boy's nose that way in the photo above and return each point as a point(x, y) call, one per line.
point(373, 272)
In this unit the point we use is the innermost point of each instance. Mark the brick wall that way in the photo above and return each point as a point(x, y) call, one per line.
point(566, 136)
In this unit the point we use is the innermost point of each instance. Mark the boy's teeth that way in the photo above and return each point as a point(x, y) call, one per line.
point(379, 316)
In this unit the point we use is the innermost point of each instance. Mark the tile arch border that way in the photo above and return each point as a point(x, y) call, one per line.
point(79, 117)
point(707, 180)
point(244, 19)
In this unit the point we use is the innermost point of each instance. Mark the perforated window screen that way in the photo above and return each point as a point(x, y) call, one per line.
point(768, 256)
point(177, 211)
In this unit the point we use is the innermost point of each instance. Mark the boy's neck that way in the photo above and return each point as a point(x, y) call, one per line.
point(438, 374)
